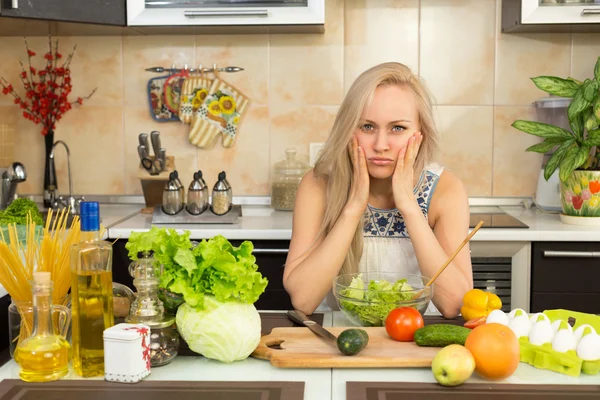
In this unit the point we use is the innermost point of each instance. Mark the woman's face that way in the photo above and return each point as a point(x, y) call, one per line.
point(385, 127)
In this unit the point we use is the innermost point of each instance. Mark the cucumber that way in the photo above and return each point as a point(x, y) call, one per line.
point(441, 335)
point(351, 341)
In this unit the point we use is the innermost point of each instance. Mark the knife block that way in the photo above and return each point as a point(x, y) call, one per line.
point(153, 185)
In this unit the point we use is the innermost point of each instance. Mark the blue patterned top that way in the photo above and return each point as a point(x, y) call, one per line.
point(389, 222)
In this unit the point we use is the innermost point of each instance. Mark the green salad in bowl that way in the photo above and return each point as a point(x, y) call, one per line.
point(367, 298)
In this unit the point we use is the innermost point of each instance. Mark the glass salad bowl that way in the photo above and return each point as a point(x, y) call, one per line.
point(367, 298)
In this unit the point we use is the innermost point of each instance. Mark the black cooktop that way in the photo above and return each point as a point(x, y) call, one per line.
point(495, 220)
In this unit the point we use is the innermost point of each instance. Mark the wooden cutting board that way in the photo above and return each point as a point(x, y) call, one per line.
point(301, 348)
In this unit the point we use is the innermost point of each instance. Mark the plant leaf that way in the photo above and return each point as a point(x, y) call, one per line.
point(575, 80)
point(578, 105)
point(556, 158)
point(590, 90)
point(567, 165)
point(542, 130)
point(577, 126)
point(591, 122)
point(593, 138)
point(556, 86)
point(597, 108)
point(542, 147)
point(597, 70)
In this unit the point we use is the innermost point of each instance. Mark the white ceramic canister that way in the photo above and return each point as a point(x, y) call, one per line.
point(127, 353)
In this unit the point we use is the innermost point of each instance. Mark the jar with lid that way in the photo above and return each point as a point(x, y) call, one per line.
point(197, 196)
point(172, 201)
point(148, 309)
point(222, 196)
point(287, 176)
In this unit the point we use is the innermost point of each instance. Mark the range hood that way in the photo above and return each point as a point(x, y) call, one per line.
point(225, 12)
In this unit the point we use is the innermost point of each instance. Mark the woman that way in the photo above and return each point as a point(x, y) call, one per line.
point(377, 161)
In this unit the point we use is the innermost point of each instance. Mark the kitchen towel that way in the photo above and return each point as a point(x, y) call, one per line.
point(220, 114)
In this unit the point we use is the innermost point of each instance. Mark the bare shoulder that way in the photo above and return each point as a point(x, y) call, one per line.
point(449, 196)
point(312, 186)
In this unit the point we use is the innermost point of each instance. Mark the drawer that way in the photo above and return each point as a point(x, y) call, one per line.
point(565, 267)
point(582, 302)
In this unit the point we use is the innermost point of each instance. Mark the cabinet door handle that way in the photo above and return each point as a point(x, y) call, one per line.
point(15, 4)
point(271, 251)
point(590, 11)
point(227, 13)
point(574, 254)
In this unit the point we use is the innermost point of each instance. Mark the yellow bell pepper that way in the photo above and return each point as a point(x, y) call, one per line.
point(477, 303)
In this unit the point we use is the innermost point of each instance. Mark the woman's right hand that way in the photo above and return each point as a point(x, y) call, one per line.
point(359, 191)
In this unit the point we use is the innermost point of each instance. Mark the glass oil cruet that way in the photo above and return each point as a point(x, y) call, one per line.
point(44, 356)
point(148, 309)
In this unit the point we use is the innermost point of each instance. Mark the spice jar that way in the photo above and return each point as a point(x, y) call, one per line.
point(221, 195)
point(172, 195)
point(148, 309)
point(197, 196)
point(287, 176)
point(126, 353)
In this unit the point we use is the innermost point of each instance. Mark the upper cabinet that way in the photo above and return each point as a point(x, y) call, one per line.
point(182, 13)
point(550, 16)
point(105, 12)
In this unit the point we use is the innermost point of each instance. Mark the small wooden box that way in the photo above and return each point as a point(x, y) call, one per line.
point(153, 185)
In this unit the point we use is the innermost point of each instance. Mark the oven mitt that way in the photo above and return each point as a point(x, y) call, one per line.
point(172, 91)
point(220, 114)
point(194, 91)
point(158, 109)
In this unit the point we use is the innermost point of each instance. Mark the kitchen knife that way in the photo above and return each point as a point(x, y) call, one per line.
point(300, 318)
point(143, 139)
point(155, 139)
point(162, 154)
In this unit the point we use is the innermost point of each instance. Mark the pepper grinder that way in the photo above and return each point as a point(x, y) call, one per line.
point(221, 196)
point(172, 195)
point(197, 196)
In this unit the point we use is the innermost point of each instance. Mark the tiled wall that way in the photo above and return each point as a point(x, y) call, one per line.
point(479, 76)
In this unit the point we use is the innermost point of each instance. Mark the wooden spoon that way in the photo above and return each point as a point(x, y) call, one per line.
point(419, 293)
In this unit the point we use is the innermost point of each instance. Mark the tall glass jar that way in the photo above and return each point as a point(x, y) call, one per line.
point(287, 176)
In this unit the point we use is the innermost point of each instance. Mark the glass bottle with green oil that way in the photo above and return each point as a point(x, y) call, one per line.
point(91, 292)
point(44, 356)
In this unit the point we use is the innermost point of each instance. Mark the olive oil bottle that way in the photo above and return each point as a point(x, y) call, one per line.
point(91, 292)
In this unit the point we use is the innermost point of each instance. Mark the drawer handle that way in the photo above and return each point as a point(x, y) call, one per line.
point(575, 254)
point(227, 13)
point(590, 11)
point(271, 251)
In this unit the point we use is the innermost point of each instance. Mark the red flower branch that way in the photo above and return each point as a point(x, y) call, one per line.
point(46, 89)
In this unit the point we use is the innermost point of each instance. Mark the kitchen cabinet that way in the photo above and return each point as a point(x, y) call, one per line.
point(270, 258)
point(105, 12)
point(565, 275)
point(550, 16)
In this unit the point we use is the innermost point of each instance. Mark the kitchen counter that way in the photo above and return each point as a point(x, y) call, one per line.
point(263, 222)
point(319, 383)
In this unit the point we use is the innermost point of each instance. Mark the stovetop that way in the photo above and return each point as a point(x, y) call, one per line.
point(494, 217)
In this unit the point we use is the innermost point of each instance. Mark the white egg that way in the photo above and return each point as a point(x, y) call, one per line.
point(497, 316)
point(588, 348)
point(541, 332)
point(520, 325)
point(556, 325)
point(564, 340)
point(534, 317)
point(579, 331)
point(511, 315)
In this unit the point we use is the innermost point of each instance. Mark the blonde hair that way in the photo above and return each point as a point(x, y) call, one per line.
point(334, 164)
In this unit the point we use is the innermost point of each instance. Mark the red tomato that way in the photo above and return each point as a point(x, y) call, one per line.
point(402, 323)
point(474, 323)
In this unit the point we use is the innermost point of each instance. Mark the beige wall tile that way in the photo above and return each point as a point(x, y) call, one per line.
point(141, 52)
point(457, 50)
point(308, 68)
point(16, 26)
point(515, 170)
point(250, 52)
point(12, 52)
point(395, 36)
point(298, 126)
point(586, 50)
point(246, 163)
point(466, 145)
point(173, 137)
point(521, 57)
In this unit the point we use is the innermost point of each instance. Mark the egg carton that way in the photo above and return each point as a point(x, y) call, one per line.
point(569, 363)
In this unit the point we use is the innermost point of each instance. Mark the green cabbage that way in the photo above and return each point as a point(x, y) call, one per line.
point(373, 305)
point(224, 331)
point(17, 212)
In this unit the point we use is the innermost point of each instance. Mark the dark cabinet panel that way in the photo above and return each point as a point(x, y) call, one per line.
point(582, 302)
point(106, 12)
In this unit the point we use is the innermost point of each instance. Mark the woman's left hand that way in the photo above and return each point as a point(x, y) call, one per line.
point(403, 177)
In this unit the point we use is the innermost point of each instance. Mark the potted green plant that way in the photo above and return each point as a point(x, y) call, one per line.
point(576, 152)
